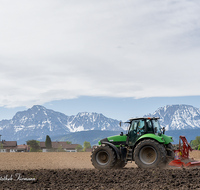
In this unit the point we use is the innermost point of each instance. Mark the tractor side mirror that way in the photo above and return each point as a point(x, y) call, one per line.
point(155, 130)
point(163, 130)
point(121, 134)
point(120, 123)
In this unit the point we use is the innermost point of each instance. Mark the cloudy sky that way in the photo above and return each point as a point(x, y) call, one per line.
point(72, 52)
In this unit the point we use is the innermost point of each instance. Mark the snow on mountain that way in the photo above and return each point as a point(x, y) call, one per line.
point(39, 121)
point(91, 121)
point(176, 117)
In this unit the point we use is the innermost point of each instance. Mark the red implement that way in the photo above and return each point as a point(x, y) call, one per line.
point(182, 155)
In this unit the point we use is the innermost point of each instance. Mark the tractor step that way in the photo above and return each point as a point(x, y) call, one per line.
point(129, 155)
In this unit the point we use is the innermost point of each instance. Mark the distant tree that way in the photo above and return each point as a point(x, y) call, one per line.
point(68, 142)
point(86, 145)
point(79, 148)
point(191, 144)
point(1, 146)
point(195, 143)
point(35, 147)
point(60, 149)
point(48, 143)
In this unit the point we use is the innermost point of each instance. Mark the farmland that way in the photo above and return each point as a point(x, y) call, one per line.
point(75, 171)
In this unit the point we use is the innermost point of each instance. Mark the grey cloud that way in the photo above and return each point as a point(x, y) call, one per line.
point(63, 49)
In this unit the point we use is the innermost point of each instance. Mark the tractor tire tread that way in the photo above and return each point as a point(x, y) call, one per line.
point(170, 153)
point(162, 155)
point(111, 153)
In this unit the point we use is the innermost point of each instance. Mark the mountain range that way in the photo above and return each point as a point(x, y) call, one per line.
point(177, 117)
point(37, 122)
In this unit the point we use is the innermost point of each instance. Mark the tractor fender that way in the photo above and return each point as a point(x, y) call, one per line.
point(157, 138)
point(113, 147)
point(149, 136)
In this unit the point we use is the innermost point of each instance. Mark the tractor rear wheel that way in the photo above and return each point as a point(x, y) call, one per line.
point(150, 154)
point(103, 157)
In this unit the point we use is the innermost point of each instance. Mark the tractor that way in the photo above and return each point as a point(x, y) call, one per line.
point(145, 143)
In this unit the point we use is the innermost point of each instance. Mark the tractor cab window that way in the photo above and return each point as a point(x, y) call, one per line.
point(149, 126)
point(137, 126)
point(156, 126)
point(133, 125)
point(137, 129)
point(140, 127)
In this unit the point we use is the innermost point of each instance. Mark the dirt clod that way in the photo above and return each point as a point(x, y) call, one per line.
point(61, 171)
point(130, 178)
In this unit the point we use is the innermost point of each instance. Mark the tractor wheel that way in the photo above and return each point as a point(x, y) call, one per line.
point(170, 152)
point(150, 154)
point(103, 157)
point(119, 164)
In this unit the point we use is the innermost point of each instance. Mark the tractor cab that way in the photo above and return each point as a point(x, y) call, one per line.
point(142, 126)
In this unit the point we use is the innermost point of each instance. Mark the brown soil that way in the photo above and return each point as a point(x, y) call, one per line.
point(47, 160)
point(75, 171)
point(195, 154)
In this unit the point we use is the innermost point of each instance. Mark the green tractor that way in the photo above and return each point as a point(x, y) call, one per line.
point(145, 143)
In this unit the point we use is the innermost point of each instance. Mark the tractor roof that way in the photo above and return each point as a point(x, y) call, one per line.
point(139, 118)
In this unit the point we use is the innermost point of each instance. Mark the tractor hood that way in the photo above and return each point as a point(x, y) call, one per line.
point(167, 139)
point(121, 139)
point(116, 140)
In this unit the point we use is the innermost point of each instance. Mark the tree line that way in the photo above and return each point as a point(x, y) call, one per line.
point(35, 146)
point(195, 144)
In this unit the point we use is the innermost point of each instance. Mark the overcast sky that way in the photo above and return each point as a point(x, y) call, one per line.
point(65, 49)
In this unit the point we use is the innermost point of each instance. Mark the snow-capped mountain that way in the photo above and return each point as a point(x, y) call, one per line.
point(176, 117)
point(39, 121)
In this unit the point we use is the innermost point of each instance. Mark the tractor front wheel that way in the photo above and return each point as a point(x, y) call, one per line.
point(103, 157)
point(150, 154)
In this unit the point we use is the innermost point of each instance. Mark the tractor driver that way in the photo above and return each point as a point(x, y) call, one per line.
point(140, 128)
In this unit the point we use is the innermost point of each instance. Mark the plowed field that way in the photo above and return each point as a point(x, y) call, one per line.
point(75, 171)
